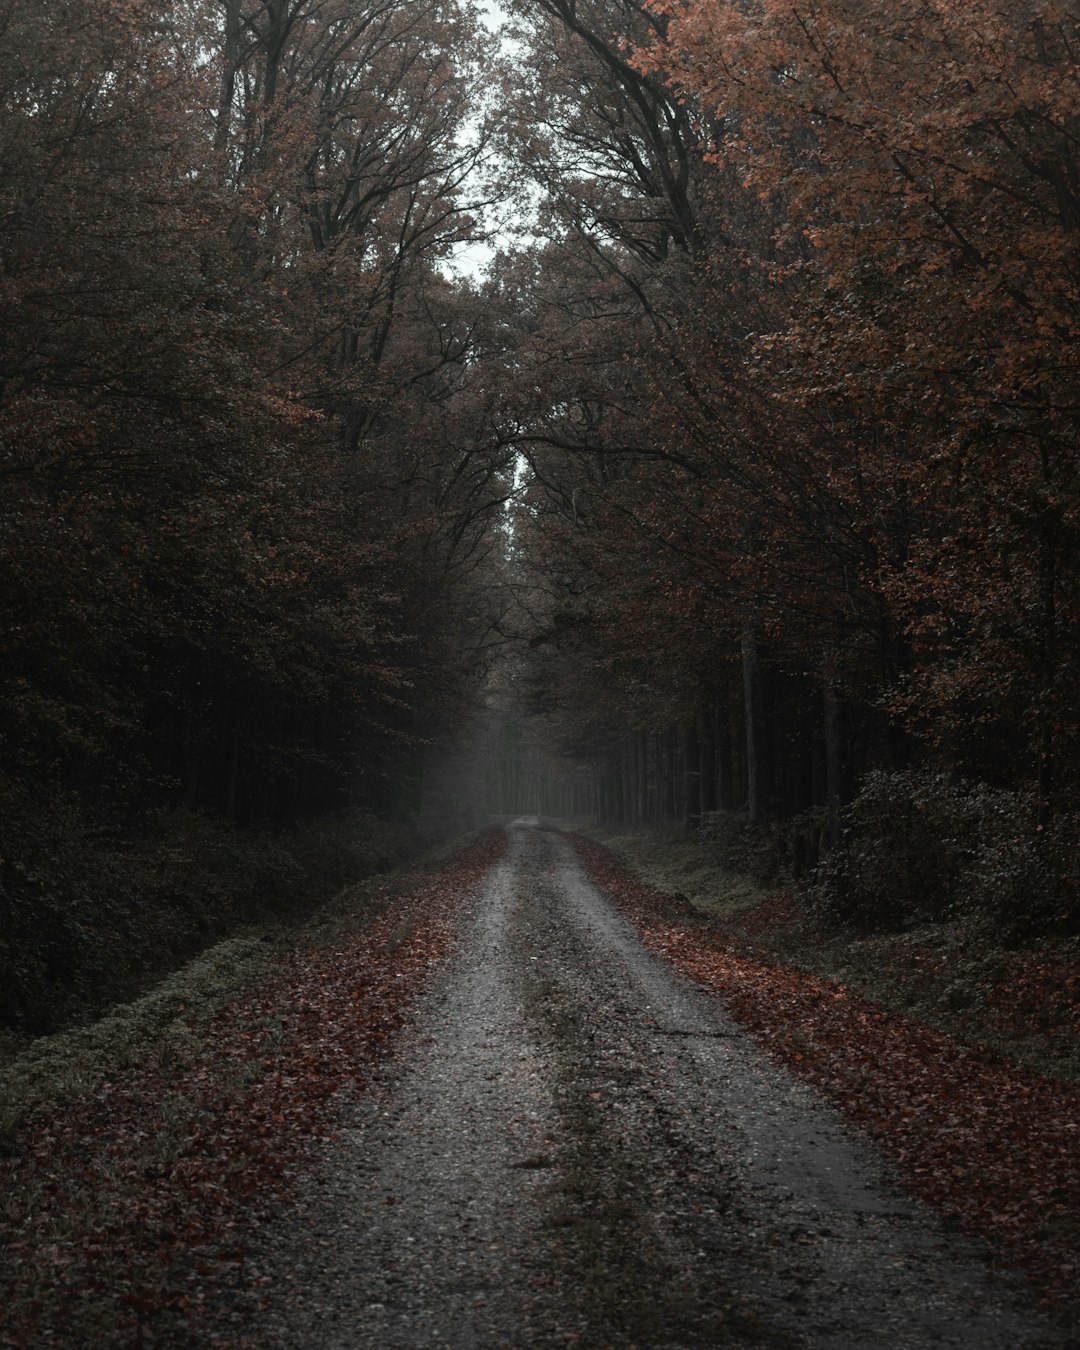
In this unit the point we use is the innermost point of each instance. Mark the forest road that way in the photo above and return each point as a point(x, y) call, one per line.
point(578, 1148)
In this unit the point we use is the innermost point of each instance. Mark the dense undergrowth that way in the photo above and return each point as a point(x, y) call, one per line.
point(91, 919)
point(918, 846)
point(167, 1021)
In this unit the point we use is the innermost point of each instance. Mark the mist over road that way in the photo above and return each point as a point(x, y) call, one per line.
point(576, 1147)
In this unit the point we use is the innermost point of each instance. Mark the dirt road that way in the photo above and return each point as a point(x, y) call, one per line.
point(577, 1148)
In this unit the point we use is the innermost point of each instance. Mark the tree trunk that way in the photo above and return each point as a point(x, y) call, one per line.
point(757, 768)
point(230, 55)
point(1048, 663)
point(192, 757)
point(671, 781)
point(641, 808)
point(707, 763)
point(692, 777)
point(834, 760)
point(232, 773)
point(725, 747)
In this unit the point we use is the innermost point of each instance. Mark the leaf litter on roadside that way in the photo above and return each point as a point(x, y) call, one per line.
point(122, 1211)
point(990, 1144)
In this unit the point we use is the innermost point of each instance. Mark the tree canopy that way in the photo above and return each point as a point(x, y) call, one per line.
point(746, 469)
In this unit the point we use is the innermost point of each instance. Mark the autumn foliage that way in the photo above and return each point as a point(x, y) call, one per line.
point(803, 500)
point(242, 489)
point(918, 167)
point(756, 445)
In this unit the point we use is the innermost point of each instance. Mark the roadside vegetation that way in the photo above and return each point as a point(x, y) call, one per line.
point(241, 538)
point(95, 920)
point(169, 1017)
point(930, 906)
point(138, 1151)
point(973, 1106)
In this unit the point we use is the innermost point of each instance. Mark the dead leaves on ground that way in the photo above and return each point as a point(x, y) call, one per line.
point(126, 1211)
point(118, 1215)
point(991, 1145)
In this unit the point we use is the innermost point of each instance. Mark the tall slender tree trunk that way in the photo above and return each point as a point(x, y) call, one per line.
point(192, 757)
point(707, 762)
point(757, 768)
point(230, 56)
point(232, 774)
point(277, 34)
point(834, 759)
point(671, 783)
point(691, 777)
point(725, 752)
point(1048, 569)
point(656, 801)
point(641, 800)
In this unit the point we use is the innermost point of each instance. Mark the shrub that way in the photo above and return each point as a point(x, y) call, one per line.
point(917, 847)
point(1027, 879)
point(337, 850)
point(760, 853)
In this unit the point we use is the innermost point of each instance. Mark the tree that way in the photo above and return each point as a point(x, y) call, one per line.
point(925, 161)
point(824, 433)
point(220, 276)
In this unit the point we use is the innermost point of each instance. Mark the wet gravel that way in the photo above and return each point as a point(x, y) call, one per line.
point(577, 1147)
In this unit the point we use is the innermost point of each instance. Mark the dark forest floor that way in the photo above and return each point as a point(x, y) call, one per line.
point(123, 1170)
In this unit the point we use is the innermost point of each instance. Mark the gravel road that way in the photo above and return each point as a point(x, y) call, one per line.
point(577, 1147)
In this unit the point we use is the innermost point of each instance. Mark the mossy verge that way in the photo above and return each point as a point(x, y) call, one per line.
point(167, 1020)
point(89, 920)
point(967, 977)
point(681, 864)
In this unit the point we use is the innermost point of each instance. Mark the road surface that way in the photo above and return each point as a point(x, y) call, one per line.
point(576, 1147)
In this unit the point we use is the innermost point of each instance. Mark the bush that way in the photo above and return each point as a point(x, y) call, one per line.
point(918, 848)
point(762, 853)
point(337, 850)
point(1027, 880)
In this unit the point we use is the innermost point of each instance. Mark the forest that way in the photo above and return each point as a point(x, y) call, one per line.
point(662, 413)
